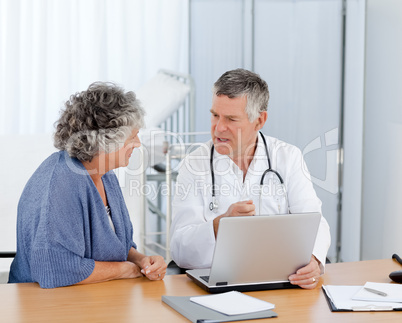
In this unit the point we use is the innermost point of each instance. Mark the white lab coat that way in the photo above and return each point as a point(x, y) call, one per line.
point(192, 235)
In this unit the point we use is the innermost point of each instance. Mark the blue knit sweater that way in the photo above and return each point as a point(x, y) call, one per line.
point(63, 227)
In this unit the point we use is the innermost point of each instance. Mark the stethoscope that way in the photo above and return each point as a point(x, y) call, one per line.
point(214, 204)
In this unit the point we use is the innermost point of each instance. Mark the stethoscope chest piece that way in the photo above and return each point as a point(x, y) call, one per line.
point(213, 206)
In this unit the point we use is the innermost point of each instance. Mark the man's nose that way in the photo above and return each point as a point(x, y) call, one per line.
point(221, 125)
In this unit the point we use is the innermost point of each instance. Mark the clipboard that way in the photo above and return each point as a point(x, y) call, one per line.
point(357, 306)
point(197, 313)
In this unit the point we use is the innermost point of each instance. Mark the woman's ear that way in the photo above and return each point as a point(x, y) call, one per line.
point(261, 120)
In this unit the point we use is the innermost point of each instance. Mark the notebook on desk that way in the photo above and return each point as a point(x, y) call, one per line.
point(258, 252)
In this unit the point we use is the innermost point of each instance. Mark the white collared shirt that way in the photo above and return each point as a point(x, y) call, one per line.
point(192, 235)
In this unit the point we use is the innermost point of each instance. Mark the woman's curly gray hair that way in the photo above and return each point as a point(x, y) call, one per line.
point(98, 119)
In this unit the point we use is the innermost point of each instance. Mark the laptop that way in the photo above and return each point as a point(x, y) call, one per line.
point(258, 252)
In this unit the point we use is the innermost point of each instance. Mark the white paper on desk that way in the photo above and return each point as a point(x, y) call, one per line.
point(233, 303)
point(341, 296)
point(393, 291)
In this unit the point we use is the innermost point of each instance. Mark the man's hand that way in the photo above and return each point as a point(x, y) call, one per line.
point(153, 267)
point(307, 277)
point(243, 208)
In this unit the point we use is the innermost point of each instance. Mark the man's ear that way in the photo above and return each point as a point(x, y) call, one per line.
point(261, 120)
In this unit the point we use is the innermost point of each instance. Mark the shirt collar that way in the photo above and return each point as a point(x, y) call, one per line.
point(260, 156)
point(259, 161)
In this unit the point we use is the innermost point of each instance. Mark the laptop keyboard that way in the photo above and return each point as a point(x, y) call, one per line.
point(206, 278)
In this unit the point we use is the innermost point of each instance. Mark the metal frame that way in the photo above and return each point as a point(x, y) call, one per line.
point(181, 122)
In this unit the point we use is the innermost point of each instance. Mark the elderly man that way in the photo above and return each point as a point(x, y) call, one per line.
point(239, 154)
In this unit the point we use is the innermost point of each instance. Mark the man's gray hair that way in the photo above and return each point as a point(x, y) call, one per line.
point(99, 119)
point(240, 82)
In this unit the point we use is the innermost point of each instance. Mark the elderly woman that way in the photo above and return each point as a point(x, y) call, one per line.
point(73, 226)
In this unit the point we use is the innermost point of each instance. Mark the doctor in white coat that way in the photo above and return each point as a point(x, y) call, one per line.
point(232, 186)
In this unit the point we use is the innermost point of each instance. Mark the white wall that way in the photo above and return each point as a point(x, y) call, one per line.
point(51, 49)
point(222, 39)
point(216, 46)
point(353, 131)
point(298, 51)
point(296, 47)
point(382, 171)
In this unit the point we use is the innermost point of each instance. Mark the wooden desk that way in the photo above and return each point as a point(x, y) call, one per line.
point(139, 300)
